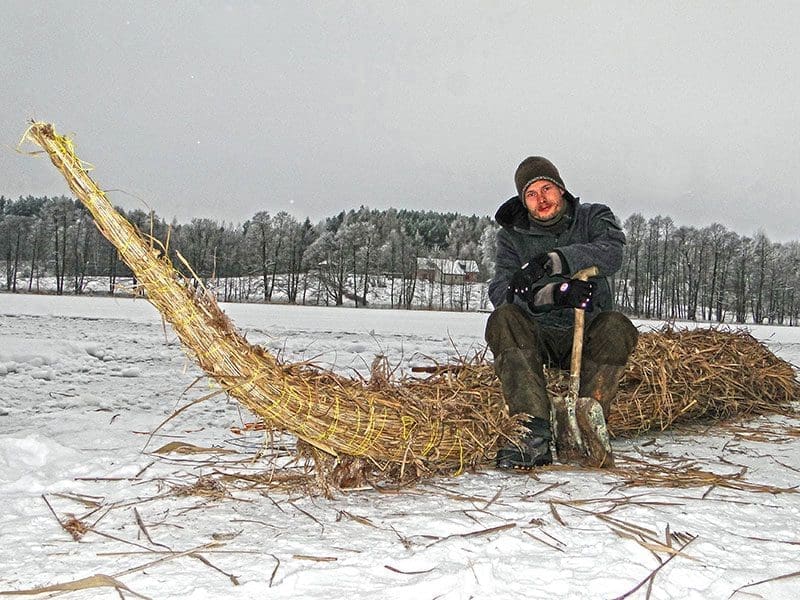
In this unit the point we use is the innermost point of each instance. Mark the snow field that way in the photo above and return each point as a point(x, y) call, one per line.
point(83, 381)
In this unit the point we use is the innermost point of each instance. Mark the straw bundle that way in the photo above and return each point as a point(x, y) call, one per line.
point(417, 430)
point(685, 375)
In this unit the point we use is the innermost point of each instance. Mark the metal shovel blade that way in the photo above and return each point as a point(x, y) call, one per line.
point(567, 436)
point(594, 433)
point(580, 432)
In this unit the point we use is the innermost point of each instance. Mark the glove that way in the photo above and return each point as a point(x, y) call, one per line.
point(574, 293)
point(523, 280)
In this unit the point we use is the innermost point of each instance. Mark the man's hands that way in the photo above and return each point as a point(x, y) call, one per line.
point(523, 280)
point(574, 293)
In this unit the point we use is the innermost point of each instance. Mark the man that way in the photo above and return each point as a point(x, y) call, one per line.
point(546, 236)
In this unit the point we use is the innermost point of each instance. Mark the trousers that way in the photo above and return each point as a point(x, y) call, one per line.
point(522, 348)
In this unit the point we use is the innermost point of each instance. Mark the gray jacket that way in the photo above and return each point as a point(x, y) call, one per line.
point(588, 235)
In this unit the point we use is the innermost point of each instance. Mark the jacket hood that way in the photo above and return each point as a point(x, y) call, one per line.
point(512, 214)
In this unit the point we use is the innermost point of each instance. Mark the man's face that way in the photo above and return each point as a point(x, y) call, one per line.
point(544, 199)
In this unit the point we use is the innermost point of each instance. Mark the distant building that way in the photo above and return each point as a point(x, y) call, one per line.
point(447, 270)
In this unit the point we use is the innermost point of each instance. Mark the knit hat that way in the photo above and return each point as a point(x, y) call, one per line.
point(533, 169)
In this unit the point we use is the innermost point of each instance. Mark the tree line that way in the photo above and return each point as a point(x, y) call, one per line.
point(272, 257)
point(668, 272)
point(709, 273)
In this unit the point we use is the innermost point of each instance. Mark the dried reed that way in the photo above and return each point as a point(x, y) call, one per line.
point(681, 375)
point(410, 429)
point(453, 419)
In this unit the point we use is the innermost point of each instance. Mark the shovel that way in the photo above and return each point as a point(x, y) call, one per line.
point(578, 424)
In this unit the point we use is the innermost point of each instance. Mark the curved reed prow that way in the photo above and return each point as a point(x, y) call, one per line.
point(392, 426)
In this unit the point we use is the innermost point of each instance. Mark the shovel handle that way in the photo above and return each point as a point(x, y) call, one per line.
point(577, 337)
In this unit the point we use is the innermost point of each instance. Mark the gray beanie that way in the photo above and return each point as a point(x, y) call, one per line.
point(533, 169)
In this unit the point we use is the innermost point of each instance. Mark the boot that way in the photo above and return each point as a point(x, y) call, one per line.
point(532, 449)
point(600, 382)
point(610, 340)
point(594, 434)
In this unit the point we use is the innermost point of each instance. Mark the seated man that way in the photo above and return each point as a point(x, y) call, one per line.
point(546, 235)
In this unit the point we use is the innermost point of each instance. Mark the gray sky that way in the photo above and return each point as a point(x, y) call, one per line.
point(222, 109)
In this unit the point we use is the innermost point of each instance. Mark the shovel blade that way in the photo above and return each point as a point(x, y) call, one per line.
point(567, 436)
point(594, 433)
point(581, 435)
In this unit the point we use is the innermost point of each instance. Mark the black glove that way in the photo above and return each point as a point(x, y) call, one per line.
point(574, 293)
point(523, 280)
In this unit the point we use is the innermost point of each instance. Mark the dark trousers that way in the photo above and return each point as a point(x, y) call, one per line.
point(522, 347)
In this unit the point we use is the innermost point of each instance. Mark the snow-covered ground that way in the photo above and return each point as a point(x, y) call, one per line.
point(84, 380)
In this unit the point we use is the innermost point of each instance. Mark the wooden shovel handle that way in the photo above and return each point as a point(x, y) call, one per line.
point(577, 337)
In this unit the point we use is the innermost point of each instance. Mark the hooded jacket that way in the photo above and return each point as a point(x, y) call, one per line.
point(587, 235)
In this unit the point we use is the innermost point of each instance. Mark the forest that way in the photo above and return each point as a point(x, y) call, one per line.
point(369, 257)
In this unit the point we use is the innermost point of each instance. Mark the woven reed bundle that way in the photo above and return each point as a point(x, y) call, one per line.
point(415, 429)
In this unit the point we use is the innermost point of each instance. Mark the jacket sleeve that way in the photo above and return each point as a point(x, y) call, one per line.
point(604, 246)
point(507, 261)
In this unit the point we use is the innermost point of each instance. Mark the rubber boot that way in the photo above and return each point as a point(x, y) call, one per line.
point(514, 341)
point(609, 342)
point(525, 392)
point(531, 450)
point(600, 382)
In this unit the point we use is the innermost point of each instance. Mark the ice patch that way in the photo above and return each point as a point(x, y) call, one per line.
point(29, 465)
point(30, 351)
point(46, 374)
point(24, 452)
point(96, 350)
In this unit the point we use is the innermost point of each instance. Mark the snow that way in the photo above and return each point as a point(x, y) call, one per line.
point(84, 381)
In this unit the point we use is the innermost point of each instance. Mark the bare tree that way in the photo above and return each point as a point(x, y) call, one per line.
point(634, 230)
point(763, 256)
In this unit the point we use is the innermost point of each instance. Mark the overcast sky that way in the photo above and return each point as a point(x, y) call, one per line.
point(223, 109)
